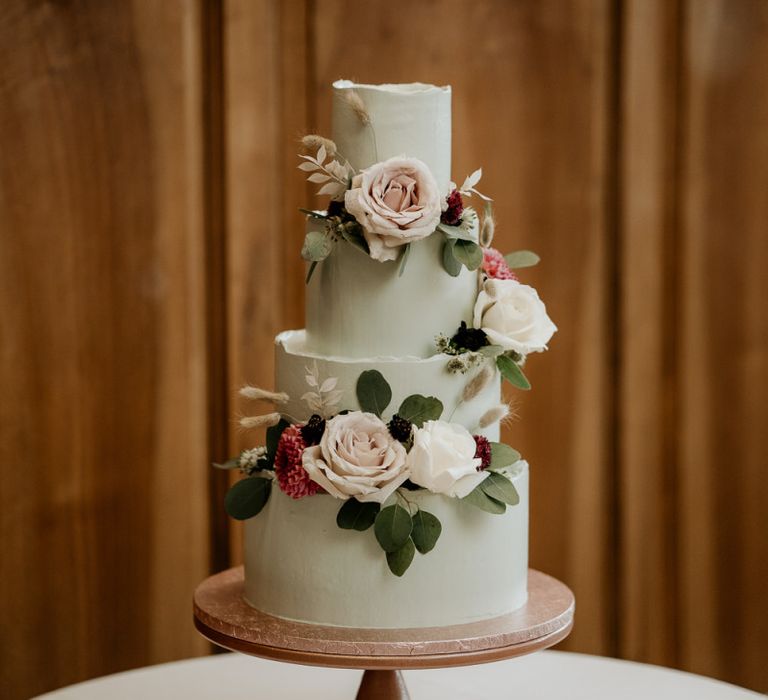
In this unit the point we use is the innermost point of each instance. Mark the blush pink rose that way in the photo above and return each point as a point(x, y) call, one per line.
point(396, 202)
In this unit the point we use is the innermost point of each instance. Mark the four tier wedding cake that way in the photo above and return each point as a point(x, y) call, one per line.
point(383, 497)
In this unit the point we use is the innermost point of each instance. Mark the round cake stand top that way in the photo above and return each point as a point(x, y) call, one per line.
point(223, 617)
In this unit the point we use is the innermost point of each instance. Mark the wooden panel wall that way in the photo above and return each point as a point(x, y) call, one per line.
point(103, 436)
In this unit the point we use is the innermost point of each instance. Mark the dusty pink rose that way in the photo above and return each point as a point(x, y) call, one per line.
point(357, 458)
point(495, 266)
point(396, 202)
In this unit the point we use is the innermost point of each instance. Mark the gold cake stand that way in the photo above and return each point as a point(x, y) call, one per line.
point(223, 617)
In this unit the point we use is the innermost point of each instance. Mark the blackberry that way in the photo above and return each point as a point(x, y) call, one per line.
point(399, 428)
point(313, 430)
point(469, 338)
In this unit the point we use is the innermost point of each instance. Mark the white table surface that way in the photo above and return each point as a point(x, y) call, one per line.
point(540, 676)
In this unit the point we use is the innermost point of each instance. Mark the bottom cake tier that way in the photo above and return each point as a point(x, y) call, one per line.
point(301, 566)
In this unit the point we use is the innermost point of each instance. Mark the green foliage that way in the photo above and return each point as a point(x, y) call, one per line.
point(500, 488)
point(483, 501)
point(426, 531)
point(247, 497)
point(373, 392)
point(468, 253)
point(418, 409)
point(313, 214)
point(451, 265)
point(521, 258)
point(399, 560)
point(273, 438)
point(511, 371)
point(353, 233)
point(354, 515)
point(393, 527)
point(502, 455)
point(317, 246)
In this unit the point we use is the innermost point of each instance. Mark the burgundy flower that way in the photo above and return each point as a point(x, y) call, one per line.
point(495, 266)
point(291, 476)
point(483, 451)
point(452, 215)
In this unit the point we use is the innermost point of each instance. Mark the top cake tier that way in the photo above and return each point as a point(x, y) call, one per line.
point(391, 302)
point(413, 119)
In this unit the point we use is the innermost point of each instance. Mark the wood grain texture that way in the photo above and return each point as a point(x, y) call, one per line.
point(649, 268)
point(102, 433)
point(723, 352)
point(531, 86)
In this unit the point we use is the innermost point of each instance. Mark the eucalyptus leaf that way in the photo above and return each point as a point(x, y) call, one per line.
point(354, 515)
point(521, 258)
point(313, 214)
point(233, 463)
point(458, 232)
point(404, 259)
point(478, 498)
point(393, 527)
point(426, 531)
point(247, 497)
point(500, 488)
point(373, 392)
point(511, 371)
point(418, 409)
point(451, 265)
point(399, 560)
point(468, 254)
point(317, 246)
point(491, 350)
point(273, 438)
point(502, 455)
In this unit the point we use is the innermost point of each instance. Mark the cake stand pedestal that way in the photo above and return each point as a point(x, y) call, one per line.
point(223, 617)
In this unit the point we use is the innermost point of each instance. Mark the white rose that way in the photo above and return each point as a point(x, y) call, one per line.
point(512, 315)
point(443, 460)
point(395, 202)
point(357, 457)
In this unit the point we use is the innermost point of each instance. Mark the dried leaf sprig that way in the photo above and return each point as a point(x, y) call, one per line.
point(333, 175)
point(467, 188)
point(325, 398)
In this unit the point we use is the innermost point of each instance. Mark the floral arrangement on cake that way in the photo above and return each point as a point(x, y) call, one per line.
point(372, 464)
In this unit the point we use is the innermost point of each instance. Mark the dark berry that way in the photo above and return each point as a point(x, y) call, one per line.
point(399, 428)
point(469, 338)
point(483, 451)
point(313, 430)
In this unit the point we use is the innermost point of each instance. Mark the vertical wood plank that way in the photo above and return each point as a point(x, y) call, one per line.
point(723, 354)
point(651, 93)
point(103, 438)
point(532, 98)
point(266, 112)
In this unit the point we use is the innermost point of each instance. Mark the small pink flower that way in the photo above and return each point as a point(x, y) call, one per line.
point(291, 476)
point(495, 266)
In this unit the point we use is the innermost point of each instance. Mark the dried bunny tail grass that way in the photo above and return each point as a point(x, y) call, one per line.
point(494, 415)
point(312, 142)
point(256, 394)
point(478, 383)
point(487, 230)
point(267, 420)
point(358, 106)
